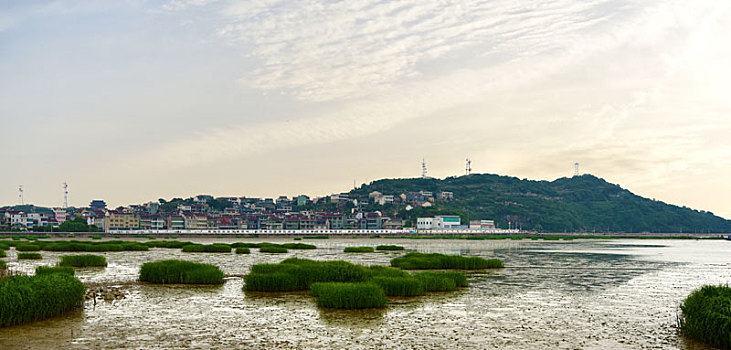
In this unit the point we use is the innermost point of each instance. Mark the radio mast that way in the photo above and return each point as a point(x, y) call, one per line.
point(65, 195)
point(423, 168)
point(20, 194)
point(468, 167)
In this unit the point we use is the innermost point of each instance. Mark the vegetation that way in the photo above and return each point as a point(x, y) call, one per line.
point(298, 246)
point(83, 246)
point(95, 237)
point(180, 272)
point(272, 249)
point(3, 253)
point(299, 274)
point(706, 316)
point(316, 237)
point(3, 265)
point(400, 286)
point(358, 249)
point(166, 244)
point(243, 250)
point(389, 247)
point(342, 284)
point(31, 298)
point(423, 261)
point(27, 247)
point(77, 225)
point(44, 270)
point(210, 248)
point(31, 256)
point(577, 204)
point(85, 260)
point(349, 295)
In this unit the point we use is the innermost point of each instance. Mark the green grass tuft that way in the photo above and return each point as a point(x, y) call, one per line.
point(44, 270)
point(3, 265)
point(272, 249)
point(358, 250)
point(85, 260)
point(3, 253)
point(32, 256)
point(243, 250)
point(390, 247)
point(706, 316)
point(27, 247)
point(299, 274)
point(434, 281)
point(180, 272)
point(95, 237)
point(211, 248)
point(422, 261)
point(400, 286)
point(31, 298)
point(298, 246)
point(349, 295)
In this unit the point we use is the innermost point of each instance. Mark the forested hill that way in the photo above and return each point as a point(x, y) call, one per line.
point(581, 203)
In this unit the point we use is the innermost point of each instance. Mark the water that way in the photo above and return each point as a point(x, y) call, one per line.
point(588, 294)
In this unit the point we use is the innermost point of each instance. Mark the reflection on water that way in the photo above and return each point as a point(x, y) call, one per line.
point(553, 294)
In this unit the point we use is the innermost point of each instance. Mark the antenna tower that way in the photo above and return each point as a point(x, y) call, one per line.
point(20, 194)
point(576, 169)
point(468, 167)
point(423, 168)
point(65, 195)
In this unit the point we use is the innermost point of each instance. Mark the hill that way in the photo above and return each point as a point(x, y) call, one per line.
point(581, 203)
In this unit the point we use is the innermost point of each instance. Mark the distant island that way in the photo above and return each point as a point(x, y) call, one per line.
point(577, 204)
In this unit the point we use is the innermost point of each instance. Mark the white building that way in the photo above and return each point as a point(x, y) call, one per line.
point(482, 224)
point(439, 222)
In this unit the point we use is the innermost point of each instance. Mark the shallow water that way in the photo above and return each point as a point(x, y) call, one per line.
point(581, 294)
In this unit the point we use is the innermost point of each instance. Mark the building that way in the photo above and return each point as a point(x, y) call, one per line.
point(98, 204)
point(60, 215)
point(445, 196)
point(482, 224)
point(195, 221)
point(439, 222)
point(119, 220)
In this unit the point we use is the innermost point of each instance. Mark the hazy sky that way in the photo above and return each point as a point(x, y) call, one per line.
point(129, 101)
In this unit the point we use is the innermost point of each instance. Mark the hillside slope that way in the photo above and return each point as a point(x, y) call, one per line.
point(581, 203)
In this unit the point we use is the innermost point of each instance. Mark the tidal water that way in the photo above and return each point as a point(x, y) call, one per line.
point(580, 294)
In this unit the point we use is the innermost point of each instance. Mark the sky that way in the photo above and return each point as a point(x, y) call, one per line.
point(131, 100)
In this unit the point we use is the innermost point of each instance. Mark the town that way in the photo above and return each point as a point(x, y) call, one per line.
point(208, 214)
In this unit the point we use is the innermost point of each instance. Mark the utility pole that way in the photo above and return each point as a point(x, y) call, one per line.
point(576, 169)
point(65, 195)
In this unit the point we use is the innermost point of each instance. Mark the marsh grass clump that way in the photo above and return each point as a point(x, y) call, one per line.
point(210, 248)
point(167, 244)
point(706, 316)
point(298, 238)
point(349, 295)
point(3, 265)
point(3, 253)
point(272, 249)
point(31, 298)
point(27, 247)
point(95, 237)
point(85, 246)
point(45, 270)
point(316, 237)
point(390, 247)
point(299, 274)
point(358, 250)
point(85, 260)
point(243, 250)
point(434, 281)
point(423, 261)
point(30, 256)
point(298, 246)
point(399, 286)
point(180, 272)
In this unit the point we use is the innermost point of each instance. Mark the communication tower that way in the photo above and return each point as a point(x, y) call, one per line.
point(20, 194)
point(468, 167)
point(65, 195)
point(423, 168)
point(576, 169)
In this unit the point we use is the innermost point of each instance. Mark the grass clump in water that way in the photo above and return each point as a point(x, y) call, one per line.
point(349, 295)
point(298, 246)
point(210, 248)
point(45, 270)
point(30, 256)
point(243, 250)
point(27, 247)
point(400, 286)
point(272, 249)
point(3, 253)
point(167, 244)
point(3, 265)
point(299, 274)
point(358, 250)
point(390, 247)
point(422, 261)
point(180, 272)
point(85, 260)
point(706, 316)
point(31, 298)
point(95, 237)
